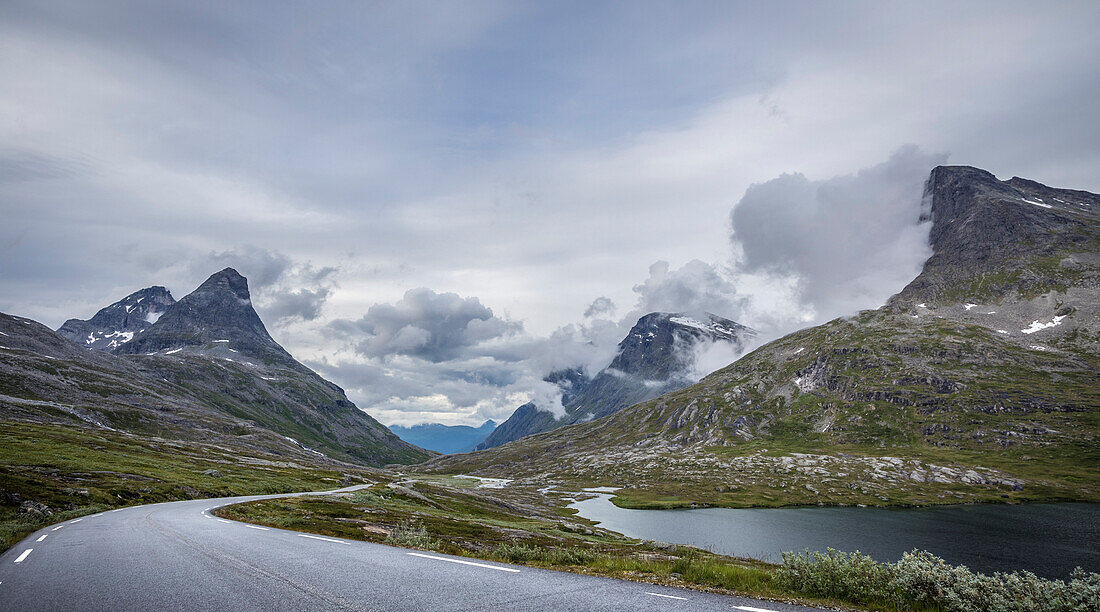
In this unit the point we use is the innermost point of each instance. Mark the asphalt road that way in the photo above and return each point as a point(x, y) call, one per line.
point(176, 556)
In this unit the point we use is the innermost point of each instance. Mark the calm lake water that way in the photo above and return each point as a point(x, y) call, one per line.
point(1048, 539)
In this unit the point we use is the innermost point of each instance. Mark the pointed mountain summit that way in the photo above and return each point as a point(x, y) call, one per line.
point(660, 345)
point(216, 319)
point(655, 357)
point(209, 354)
point(116, 324)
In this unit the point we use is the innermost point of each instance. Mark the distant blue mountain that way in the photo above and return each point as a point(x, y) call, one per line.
point(446, 439)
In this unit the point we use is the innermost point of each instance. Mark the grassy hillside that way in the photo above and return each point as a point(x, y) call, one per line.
point(50, 473)
point(881, 408)
point(979, 382)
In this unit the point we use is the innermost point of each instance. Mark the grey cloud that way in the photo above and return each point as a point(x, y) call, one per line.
point(283, 290)
point(599, 306)
point(18, 166)
point(263, 267)
point(850, 241)
point(697, 286)
point(304, 304)
point(429, 353)
point(425, 324)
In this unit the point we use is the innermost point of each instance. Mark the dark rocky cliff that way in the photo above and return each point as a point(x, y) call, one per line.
point(116, 324)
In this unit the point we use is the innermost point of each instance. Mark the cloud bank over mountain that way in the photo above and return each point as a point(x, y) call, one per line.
point(539, 159)
point(831, 246)
point(847, 242)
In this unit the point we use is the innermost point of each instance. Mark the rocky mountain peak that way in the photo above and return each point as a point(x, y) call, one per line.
point(227, 280)
point(992, 238)
point(217, 319)
point(655, 357)
point(116, 324)
point(660, 345)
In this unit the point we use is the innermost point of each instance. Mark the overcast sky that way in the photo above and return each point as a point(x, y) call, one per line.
point(436, 203)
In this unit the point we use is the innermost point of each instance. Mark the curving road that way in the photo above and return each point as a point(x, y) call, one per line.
point(176, 556)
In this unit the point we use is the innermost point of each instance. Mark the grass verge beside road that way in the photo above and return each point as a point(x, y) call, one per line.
point(51, 473)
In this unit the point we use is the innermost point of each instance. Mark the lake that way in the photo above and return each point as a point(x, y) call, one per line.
point(1048, 539)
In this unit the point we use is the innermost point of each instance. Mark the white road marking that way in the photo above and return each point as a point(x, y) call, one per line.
point(117, 509)
point(313, 537)
point(75, 521)
point(752, 609)
point(485, 565)
point(42, 538)
point(666, 596)
point(222, 521)
point(56, 528)
point(256, 527)
point(24, 555)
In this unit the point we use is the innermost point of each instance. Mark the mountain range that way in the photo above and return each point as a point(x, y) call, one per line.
point(445, 439)
point(203, 369)
point(658, 355)
point(979, 381)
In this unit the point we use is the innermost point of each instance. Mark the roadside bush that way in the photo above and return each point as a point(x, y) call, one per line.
point(925, 577)
point(851, 577)
point(922, 580)
point(571, 556)
point(520, 553)
point(410, 535)
point(517, 553)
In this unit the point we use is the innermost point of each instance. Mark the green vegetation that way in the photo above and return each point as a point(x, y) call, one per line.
point(515, 525)
point(877, 409)
point(50, 473)
point(410, 535)
point(521, 525)
point(921, 580)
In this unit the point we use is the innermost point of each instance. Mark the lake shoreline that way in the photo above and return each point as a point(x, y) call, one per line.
point(987, 536)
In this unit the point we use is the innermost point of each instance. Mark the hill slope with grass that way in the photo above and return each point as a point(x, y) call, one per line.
point(218, 408)
point(980, 381)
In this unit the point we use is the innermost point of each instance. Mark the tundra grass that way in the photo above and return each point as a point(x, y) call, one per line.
point(50, 473)
point(523, 526)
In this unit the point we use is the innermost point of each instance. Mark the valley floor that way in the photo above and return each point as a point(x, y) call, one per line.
point(459, 516)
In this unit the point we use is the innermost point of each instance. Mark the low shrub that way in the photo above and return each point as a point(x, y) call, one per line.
point(925, 577)
point(520, 553)
point(846, 576)
point(409, 535)
point(921, 580)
